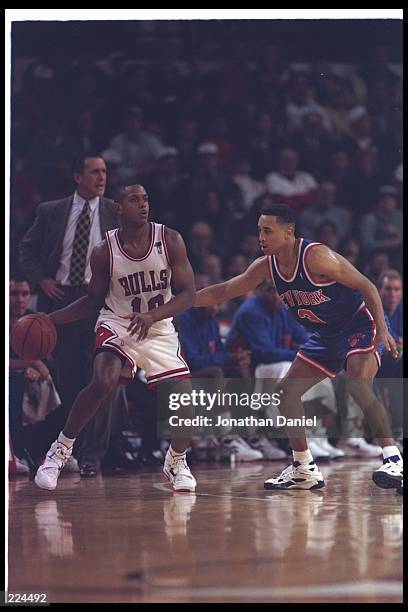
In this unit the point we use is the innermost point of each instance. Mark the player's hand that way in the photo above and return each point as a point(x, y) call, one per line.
point(384, 337)
point(31, 374)
point(51, 288)
point(140, 325)
point(41, 369)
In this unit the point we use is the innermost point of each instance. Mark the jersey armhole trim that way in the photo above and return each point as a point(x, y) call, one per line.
point(165, 245)
point(110, 254)
point(309, 278)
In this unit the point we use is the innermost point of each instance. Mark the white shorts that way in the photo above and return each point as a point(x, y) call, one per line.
point(159, 355)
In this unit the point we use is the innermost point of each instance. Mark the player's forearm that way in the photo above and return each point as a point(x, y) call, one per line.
point(374, 304)
point(179, 303)
point(20, 364)
point(216, 294)
point(80, 309)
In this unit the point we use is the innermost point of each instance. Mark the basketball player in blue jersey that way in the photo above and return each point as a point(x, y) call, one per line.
point(132, 271)
point(342, 308)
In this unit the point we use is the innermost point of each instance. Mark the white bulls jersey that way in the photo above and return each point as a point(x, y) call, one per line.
point(139, 285)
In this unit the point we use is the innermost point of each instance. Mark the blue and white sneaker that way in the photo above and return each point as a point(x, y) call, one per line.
point(297, 476)
point(389, 475)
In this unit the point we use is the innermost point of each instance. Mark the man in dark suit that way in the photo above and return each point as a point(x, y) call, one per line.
point(55, 254)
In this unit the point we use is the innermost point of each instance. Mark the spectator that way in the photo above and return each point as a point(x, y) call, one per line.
point(250, 188)
point(209, 177)
point(137, 150)
point(350, 249)
point(311, 141)
point(326, 233)
point(35, 411)
point(300, 100)
point(382, 229)
point(187, 142)
point(324, 209)
point(236, 265)
point(390, 375)
point(201, 245)
point(361, 190)
point(288, 184)
point(206, 356)
point(377, 263)
point(168, 184)
point(249, 247)
point(212, 267)
point(264, 144)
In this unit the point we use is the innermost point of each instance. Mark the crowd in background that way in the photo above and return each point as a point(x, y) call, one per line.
point(212, 141)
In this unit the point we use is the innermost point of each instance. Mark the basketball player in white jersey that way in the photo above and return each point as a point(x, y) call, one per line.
point(131, 274)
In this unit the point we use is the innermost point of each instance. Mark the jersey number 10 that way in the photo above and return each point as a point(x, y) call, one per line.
point(153, 303)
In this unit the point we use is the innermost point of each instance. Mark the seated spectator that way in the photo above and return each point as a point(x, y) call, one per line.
point(326, 233)
point(288, 184)
point(201, 244)
point(236, 265)
point(312, 143)
point(361, 189)
point(249, 246)
point(212, 267)
point(263, 146)
point(138, 151)
point(390, 289)
point(264, 327)
point(301, 100)
point(209, 177)
point(324, 209)
point(167, 187)
point(390, 376)
point(377, 263)
point(35, 411)
point(206, 356)
point(250, 188)
point(382, 229)
point(350, 249)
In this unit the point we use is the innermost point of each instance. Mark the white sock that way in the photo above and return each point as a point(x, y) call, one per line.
point(68, 442)
point(303, 456)
point(391, 451)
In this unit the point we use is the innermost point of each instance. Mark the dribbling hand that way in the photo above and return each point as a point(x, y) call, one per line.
point(384, 337)
point(140, 324)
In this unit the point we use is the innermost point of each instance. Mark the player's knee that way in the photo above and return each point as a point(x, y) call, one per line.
point(104, 384)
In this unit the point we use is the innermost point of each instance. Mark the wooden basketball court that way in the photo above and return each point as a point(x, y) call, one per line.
point(128, 538)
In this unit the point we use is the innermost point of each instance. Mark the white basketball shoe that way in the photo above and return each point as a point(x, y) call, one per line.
point(48, 472)
point(178, 473)
point(297, 476)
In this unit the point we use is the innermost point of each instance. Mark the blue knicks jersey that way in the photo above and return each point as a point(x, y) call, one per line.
point(322, 307)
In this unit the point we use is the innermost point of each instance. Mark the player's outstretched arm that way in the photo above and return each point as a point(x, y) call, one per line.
point(255, 274)
point(91, 303)
point(325, 265)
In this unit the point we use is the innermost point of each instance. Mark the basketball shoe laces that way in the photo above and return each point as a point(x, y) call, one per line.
point(60, 455)
point(179, 467)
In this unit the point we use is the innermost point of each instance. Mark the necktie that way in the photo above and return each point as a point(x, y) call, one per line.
point(80, 247)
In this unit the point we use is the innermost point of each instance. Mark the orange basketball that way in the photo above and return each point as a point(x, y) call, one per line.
point(33, 336)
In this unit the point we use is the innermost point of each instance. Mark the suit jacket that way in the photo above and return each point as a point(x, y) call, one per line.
point(41, 247)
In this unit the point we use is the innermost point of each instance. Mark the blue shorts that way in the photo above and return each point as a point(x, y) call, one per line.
point(329, 353)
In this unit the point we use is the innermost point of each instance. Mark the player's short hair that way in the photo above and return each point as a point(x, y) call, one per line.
point(390, 274)
point(123, 191)
point(78, 164)
point(282, 212)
